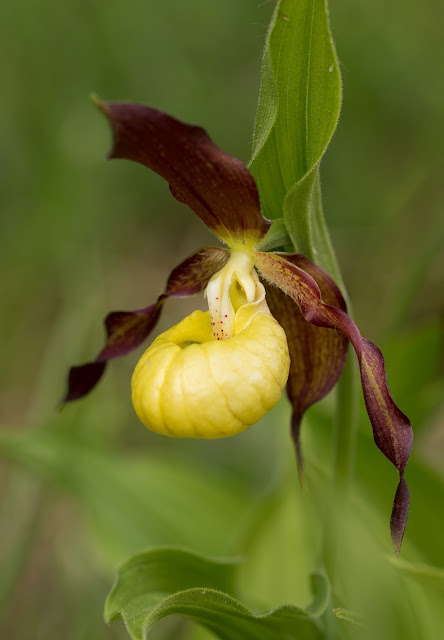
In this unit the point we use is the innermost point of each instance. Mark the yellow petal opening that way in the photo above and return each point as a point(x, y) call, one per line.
point(235, 285)
point(188, 384)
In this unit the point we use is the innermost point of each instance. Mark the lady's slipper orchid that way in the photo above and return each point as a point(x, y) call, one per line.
point(217, 372)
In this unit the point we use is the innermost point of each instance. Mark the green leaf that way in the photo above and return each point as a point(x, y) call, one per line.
point(279, 540)
point(277, 236)
point(321, 589)
point(163, 582)
point(297, 114)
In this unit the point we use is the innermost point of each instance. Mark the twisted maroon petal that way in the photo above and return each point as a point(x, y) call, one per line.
point(391, 428)
point(126, 330)
point(317, 354)
point(216, 186)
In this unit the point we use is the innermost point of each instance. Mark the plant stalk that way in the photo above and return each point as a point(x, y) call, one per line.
point(345, 429)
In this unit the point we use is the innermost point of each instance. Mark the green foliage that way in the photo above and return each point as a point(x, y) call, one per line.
point(163, 582)
point(80, 237)
point(297, 114)
point(395, 598)
point(277, 236)
point(133, 501)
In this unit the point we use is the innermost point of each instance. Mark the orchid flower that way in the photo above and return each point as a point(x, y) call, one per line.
point(274, 319)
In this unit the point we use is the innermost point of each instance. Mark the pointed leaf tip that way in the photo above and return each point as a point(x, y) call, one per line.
point(398, 520)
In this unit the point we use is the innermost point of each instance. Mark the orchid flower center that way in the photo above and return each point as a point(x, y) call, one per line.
point(217, 372)
point(234, 286)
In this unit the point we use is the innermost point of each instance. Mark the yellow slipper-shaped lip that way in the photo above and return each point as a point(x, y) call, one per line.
point(188, 384)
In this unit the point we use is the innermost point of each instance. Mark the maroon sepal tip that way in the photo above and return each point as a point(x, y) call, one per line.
point(127, 330)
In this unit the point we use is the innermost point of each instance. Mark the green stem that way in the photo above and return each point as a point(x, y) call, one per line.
point(337, 503)
point(345, 429)
point(336, 500)
point(346, 416)
point(345, 421)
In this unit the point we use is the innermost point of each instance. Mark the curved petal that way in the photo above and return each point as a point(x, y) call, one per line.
point(391, 428)
point(126, 330)
point(317, 354)
point(216, 186)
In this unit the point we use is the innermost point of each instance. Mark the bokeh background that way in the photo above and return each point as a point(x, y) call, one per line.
point(83, 488)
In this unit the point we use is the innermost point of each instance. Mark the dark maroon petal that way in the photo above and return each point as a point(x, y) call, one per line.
point(317, 355)
point(216, 186)
point(126, 330)
point(400, 512)
point(192, 275)
point(391, 428)
point(82, 379)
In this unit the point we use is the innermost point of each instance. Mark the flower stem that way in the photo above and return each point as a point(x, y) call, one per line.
point(345, 423)
point(345, 429)
point(337, 504)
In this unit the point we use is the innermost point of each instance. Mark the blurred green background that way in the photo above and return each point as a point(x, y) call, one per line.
point(82, 489)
